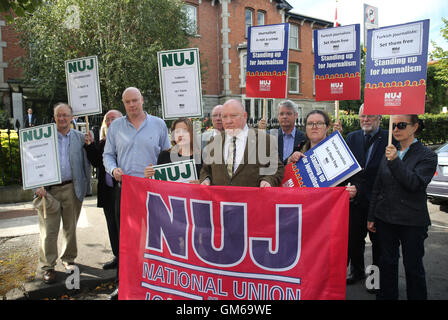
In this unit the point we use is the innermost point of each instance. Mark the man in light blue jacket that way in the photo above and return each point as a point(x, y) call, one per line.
point(75, 176)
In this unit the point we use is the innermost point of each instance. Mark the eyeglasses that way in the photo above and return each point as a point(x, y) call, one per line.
point(315, 124)
point(400, 125)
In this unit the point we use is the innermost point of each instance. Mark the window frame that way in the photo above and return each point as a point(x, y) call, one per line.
point(297, 79)
point(192, 28)
point(246, 25)
point(297, 41)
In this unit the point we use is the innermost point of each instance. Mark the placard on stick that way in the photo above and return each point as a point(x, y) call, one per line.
point(180, 83)
point(396, 65)
point(83, 86)
point(267, 61)
point(337, 63)
point(39, 156)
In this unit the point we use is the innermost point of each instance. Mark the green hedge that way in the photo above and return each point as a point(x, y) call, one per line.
point(435, 132)
point(10, 171)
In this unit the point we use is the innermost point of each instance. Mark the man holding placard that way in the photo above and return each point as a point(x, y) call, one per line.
point(75, 173)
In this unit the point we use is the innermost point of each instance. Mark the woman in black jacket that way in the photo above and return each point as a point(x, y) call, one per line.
point(105, 191)
point(398, 209)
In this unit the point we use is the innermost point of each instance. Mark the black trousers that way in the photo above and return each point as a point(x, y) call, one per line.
point(411, 239)
point(356, 235)
point(109, 212)
point(117, 195)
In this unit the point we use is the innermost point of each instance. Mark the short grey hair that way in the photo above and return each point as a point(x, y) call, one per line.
point(290, 105)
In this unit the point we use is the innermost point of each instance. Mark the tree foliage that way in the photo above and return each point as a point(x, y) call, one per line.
point(18, 7)
point(124, 34)
point(436, 92)
point(352, 106)
point(441, 55)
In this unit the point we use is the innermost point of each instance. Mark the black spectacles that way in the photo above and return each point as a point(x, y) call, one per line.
point(400, 125)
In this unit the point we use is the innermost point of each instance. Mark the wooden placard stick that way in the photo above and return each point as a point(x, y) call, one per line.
point(44, 204)
point(390, 131)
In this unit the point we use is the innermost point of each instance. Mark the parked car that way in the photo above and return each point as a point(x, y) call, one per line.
point(438, 187)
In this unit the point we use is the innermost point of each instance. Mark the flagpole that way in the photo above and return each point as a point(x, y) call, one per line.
point(336, 102)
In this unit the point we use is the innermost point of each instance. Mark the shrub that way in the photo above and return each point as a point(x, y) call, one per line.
point(435, 132)
point(10, 168)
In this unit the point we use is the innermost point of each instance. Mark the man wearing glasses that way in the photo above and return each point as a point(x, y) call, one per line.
point(75, 176)
point(240, 156)
point(290, 138)
point(367, 145)
point(217, 126)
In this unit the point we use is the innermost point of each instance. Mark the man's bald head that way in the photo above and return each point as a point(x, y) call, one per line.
point(131, 89)
point(216, 117)
point(234, 116)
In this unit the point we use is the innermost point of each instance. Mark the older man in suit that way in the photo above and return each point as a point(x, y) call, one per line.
point(367, 145)
point(217, 126)
point(241, 156)
point(76, 173)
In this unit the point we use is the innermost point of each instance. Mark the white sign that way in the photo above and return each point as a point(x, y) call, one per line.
point(267, 38)
point(179, 171)
point(401, 41)
point(370, 20)
point(336, 40)
point(83, 86)
point(180, 83)
point(333, 157)
point(39, 156)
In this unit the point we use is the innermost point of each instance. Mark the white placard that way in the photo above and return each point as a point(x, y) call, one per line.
point(180, 83)
point(179, 171)
point(267, 38)
point(39, 156)
point(333, 157)
point(83, 86)
point(401, 41)
point(336, 40)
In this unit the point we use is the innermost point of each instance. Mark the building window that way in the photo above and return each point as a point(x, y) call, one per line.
point(192, 20)
point(248, 20)
point(294, 77)
point(294, 36)
point(261, 18)
point(312, 41)
point(243, 68)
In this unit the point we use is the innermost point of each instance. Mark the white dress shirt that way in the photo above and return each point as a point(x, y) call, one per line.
point(241, 139)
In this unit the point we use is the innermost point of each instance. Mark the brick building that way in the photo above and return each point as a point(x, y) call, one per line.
point(221, 36)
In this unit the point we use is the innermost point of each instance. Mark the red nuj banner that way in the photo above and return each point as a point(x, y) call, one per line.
point(181, 241)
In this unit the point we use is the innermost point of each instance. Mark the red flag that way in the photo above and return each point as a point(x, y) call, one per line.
point(336, 24)
point(181, 241)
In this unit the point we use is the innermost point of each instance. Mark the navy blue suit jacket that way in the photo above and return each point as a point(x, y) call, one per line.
point(365, 179)
point(299, 138)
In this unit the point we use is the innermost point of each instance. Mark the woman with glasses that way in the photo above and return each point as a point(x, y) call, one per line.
point(317, 124)
point(398, 209)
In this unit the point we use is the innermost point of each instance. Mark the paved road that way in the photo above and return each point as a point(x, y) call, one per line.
point(435, 261)
point(19, 221)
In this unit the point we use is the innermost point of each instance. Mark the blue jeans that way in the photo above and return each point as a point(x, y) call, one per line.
point(411, 238)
